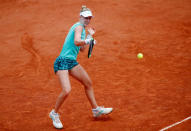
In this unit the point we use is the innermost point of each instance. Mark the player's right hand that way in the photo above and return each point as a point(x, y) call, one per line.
point(87, 41)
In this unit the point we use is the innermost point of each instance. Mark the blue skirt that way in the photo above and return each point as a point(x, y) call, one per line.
point(62, 63)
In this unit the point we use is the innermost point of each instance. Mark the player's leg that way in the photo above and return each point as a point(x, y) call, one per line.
point(80, 74)
point(66, 88)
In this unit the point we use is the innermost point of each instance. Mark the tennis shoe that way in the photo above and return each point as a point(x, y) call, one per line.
point(56, 120)
point(100, 110)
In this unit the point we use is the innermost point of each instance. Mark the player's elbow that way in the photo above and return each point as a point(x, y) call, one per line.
point(82, 49)
point(77, 42)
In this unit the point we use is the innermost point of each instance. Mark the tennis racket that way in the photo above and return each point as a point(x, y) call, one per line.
point(90, 48)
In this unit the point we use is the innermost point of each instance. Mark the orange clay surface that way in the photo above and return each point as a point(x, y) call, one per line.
point(147, 94)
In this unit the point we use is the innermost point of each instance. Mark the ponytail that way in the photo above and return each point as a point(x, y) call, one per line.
point(84, 8)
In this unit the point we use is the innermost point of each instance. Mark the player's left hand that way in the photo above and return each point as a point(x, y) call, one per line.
point(91, 31)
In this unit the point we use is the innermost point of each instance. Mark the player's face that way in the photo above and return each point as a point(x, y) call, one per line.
point(85, 20)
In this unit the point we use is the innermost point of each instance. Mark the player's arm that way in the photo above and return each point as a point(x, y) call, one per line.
point(91, 32)
point(77, 38)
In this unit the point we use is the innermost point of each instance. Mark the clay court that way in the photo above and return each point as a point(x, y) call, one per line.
point(147, 94)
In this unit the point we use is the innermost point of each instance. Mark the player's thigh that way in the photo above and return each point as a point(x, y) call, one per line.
point(80, 74)
point(63, 76)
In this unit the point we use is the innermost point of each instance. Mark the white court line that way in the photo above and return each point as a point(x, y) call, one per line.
point(175, 124)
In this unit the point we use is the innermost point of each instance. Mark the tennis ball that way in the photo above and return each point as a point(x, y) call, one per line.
point(139, 55)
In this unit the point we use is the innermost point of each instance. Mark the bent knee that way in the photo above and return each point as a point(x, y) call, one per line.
point(88, 84)
point(66, 91)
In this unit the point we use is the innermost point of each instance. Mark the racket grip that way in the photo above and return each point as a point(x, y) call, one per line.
point(87, 41)
point(89, 36)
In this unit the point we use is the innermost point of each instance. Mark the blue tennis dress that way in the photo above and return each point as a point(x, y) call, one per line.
point(67, 58)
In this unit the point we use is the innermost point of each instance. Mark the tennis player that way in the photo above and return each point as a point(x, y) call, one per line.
point(66, 65)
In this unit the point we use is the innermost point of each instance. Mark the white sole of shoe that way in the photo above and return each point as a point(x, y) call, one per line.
point(53, 124)
point(103, 114)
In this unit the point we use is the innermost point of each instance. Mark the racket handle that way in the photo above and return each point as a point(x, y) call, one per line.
point(89, 36)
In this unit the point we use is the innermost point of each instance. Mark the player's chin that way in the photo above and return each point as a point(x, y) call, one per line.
point(86, 24)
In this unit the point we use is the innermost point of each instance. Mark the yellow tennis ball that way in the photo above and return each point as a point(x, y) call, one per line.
point(139, 55)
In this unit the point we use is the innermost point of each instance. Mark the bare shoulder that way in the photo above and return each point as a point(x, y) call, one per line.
point(79, 28)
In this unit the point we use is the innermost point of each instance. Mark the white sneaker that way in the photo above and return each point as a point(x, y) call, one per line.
point(55, 118)
point(101, 111)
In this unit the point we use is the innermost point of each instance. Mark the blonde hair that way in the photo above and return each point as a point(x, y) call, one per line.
point(84, 8)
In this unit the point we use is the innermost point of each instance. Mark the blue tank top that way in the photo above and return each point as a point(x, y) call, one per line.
point(70, 50)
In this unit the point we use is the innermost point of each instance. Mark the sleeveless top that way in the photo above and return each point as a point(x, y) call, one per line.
point(70, 50)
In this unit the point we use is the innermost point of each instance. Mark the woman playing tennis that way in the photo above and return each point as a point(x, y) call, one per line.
point(66, 65)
